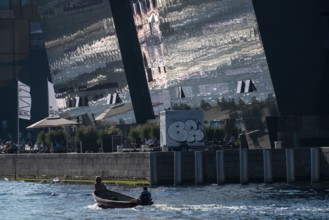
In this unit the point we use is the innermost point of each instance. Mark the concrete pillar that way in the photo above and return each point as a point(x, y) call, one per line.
point(290, 165)
point(267, 161)
point(315, 165)
point(243, 141)
point(75, 145)
point(220, 166)
point(198, 155)
point(243, 165)
point(177, 167)
point(153, 169)
point(51, 147)
point(102, 146)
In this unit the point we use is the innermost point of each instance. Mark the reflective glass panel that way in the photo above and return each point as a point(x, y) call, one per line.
point(208, 54)
point(4, 4)
point(83, 51)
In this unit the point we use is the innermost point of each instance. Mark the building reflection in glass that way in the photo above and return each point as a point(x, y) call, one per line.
point(208, 54)
point(197, 54)
point(84, 56)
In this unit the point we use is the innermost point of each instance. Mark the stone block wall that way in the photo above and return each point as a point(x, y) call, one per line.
point(7, 165)
point(137, 165)
point(76, 166)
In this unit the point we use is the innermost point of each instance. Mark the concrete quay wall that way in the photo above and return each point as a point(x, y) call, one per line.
point(159, 167)
point(75, 166)
point(165, 168)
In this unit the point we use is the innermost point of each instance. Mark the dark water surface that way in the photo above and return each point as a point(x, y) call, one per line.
point(26, 200)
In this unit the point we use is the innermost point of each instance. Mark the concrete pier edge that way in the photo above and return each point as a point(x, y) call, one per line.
point(160, 168)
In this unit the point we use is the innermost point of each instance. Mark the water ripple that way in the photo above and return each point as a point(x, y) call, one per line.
point(22, 200)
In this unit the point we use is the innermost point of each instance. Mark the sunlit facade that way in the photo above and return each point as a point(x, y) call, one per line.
point(196, 54)
point(209, 55)
point(210, 51)
point(83, 52)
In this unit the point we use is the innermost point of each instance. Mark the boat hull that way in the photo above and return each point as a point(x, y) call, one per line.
point(123, 202)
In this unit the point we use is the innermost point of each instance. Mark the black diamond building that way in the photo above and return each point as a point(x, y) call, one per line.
point(251, 66)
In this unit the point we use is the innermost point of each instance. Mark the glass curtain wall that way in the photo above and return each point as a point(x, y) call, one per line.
point(197, 55)
point(16, 19)
point(84, 55)
point(208, 55)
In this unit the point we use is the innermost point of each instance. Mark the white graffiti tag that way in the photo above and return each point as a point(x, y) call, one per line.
point(185, 132)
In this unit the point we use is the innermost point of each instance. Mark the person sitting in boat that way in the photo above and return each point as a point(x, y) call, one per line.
point(145, 197)
point(99, 189)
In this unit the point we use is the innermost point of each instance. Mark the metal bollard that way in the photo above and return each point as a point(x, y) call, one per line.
point(315, 165)
point(177, 167)
point(290, 165)
point(153, 169)
point(267, 161)
point(220, 166)
point(243, 165)
point(198, 167)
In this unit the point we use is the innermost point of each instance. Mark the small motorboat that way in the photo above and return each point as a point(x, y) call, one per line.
point(111, 199)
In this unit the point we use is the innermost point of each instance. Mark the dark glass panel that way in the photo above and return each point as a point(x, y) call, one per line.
point(6, 36)
point(16, 7)
point(5, 4)
point(25, 3)
point(21, 63)
point(21, 35)
point(6, 69)
point(26, 8)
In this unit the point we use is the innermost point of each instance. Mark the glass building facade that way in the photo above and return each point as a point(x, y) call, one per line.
point(83, 52)
point(203, 52)
point(197, 54)
point(22, 57)
point(208, 55)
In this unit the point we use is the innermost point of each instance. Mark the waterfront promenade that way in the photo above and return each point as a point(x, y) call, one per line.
point(163, 168)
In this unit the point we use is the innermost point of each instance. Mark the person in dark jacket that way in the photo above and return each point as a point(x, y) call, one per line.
point(100, 190)
point(145, 197)
point(99, 187)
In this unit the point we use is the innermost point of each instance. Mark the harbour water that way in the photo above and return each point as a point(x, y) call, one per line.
point(27, 200)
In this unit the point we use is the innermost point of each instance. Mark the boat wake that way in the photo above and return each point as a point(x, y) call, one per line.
point(94, 207)
point(203, 207)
